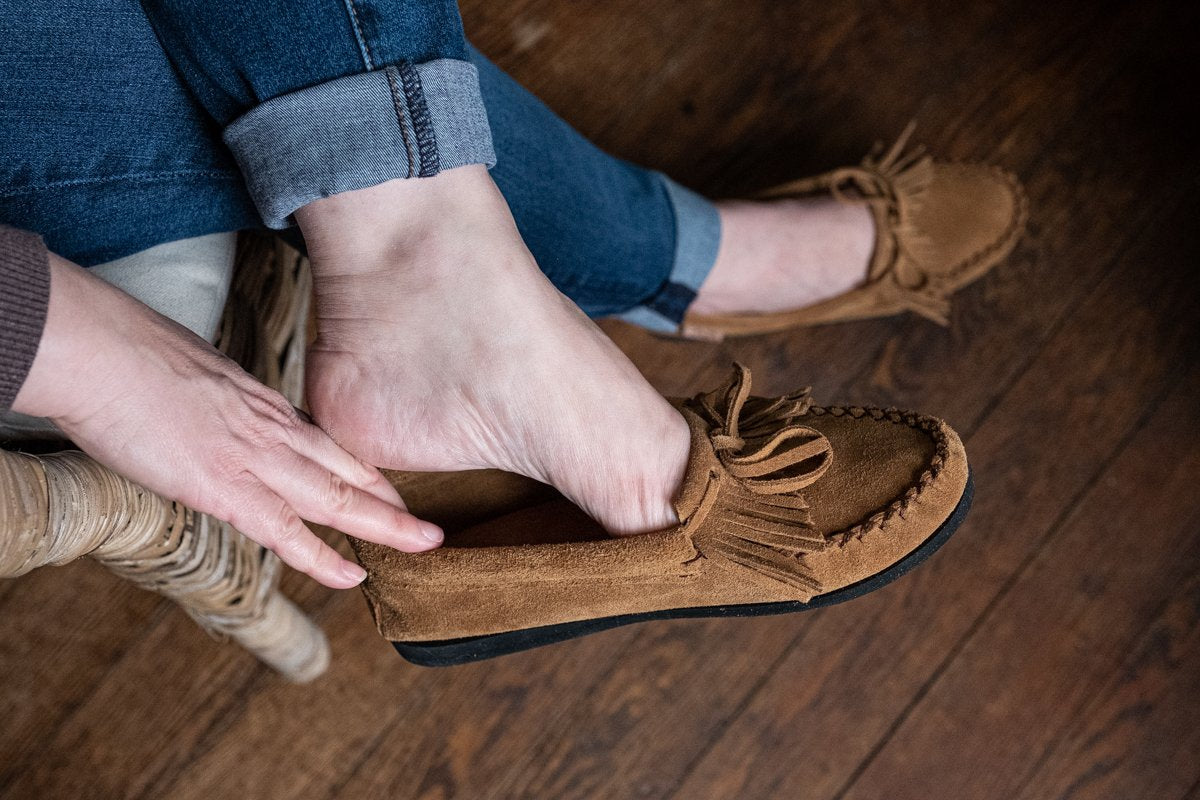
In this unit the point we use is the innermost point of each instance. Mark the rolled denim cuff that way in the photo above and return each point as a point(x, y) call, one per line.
point(402, 121)
point(697, 237)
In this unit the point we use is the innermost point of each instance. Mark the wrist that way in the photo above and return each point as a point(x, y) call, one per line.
point(77, 357)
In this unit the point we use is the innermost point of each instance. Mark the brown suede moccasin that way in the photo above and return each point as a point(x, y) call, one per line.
point(939, 226)
point(785, 506)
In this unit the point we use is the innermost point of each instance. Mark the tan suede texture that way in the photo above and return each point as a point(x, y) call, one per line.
point(939, 226)
point(876, 484)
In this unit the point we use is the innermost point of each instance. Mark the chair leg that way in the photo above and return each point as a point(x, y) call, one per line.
point(64, 506)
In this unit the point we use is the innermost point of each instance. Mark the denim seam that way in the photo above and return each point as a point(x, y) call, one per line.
point(402, 117)
point(147, 177)
point(670, 290)
point(363, 47)
point(418, 113)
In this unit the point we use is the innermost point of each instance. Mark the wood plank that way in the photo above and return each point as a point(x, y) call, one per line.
point(61, 632)
point(1138, 737)
point(1050, 644)
point(145, 707)
point(374, 711)
point(677, 687)
point(471, 739)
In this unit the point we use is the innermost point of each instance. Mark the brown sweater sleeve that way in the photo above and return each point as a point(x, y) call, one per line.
point(24, 300)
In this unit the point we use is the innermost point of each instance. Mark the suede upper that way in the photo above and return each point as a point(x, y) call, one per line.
point(782, 501)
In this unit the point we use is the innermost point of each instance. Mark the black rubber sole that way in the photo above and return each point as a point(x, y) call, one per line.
point(450, 652)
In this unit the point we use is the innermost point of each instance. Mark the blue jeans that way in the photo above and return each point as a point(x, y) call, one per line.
point(123, 126)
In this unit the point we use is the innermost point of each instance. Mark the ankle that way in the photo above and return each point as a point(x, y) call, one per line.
point(785, 254)
point(351, 232)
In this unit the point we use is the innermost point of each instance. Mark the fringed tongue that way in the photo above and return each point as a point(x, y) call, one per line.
point(899, 177)
point(770, 458)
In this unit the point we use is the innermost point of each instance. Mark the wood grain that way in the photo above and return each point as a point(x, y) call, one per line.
point(1137, 736)
point(1043, 651)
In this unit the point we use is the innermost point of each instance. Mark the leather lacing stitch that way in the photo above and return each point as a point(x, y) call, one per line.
point(900, 179)
point(769, 458)
point(897, 508)
point(1015, 224)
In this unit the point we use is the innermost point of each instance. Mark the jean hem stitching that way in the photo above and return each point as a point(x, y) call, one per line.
point(402, 118)
point(422, 124)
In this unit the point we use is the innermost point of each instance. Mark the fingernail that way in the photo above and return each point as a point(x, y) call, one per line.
point(432, 532)
point(354, 572)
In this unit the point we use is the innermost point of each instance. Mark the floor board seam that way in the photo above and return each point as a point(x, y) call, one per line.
point(1087, 704)
point(737, 712)
point(223, 719)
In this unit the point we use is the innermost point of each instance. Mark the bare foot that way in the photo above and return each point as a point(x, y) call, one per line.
point(785, 254)
point(442, 346)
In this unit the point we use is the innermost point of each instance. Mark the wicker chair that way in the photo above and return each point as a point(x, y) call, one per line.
point(60, 506)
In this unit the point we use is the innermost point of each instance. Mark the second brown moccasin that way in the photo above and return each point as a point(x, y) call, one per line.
point(938, 227)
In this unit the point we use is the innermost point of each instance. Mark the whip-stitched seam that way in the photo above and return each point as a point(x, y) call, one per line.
point(1015, 223)
point(823, 182)
point(930, 425)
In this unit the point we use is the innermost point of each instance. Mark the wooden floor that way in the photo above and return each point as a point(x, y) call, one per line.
point(1051, 650)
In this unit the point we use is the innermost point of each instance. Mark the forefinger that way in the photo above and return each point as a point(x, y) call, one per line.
point(319, 495)
point(317, 445)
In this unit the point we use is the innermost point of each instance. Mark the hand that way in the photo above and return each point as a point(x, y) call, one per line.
point(157, 404)
point(442, 346)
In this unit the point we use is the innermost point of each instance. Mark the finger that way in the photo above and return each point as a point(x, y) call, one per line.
point(315, 444)
point(267, 519)
point(323, 497)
